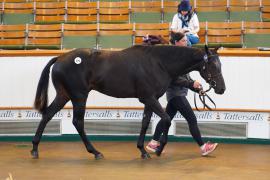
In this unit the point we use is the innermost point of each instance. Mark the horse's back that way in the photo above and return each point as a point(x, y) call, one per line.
point(132, 72)
point(118, 73)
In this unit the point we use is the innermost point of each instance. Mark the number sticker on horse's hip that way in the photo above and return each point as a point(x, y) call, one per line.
point(78, 60)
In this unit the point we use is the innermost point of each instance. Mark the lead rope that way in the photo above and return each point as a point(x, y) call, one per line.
point(202, 95)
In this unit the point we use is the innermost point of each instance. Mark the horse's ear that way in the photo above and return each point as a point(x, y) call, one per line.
point(172, 33)
point(172, 37)
point(206, 49)
point(217, 48)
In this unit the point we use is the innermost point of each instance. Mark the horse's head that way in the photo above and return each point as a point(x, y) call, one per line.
point(210, 70)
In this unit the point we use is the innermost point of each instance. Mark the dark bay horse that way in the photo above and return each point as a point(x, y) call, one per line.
point(142, 72)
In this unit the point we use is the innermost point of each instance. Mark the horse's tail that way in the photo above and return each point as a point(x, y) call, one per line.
point(41, 100)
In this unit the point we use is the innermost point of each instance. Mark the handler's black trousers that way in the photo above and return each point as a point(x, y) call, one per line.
point(181, 104)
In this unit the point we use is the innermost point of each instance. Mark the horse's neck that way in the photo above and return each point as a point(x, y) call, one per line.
point(193, 65)
point(184, 63)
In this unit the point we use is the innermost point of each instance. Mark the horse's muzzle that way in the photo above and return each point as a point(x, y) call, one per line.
point(220, 91)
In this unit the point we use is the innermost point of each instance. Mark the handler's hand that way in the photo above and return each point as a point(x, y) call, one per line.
point(197, 85)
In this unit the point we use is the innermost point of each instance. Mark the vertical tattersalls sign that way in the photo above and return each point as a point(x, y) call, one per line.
point(127, 114)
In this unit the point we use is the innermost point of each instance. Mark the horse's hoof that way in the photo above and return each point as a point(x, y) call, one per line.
point(146, 156)
point(34, 154)
point(99, 156)
point(158, 152)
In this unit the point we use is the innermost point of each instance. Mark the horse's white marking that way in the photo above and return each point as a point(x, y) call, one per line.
point(78, 60)
point(205, 58)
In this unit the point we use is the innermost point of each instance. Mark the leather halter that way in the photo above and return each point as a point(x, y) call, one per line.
point(203, 94)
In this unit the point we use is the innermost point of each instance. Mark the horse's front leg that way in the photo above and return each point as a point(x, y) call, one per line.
point(153, 104)
point(164, 138)
point(147, 114)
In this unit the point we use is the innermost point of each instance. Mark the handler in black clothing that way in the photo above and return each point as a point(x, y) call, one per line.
point(177, 101)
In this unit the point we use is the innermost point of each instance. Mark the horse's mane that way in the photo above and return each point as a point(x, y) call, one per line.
point(164, 48)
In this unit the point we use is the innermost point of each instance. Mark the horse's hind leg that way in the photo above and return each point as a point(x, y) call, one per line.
point(78, 122)
point(57, 104)
point(147, 114)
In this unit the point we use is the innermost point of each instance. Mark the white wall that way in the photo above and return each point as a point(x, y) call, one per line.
point(247, 80)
